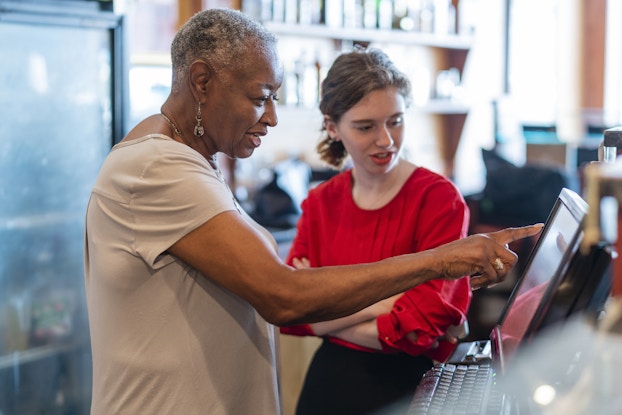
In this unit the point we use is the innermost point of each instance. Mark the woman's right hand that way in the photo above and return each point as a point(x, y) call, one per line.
point(486, 258)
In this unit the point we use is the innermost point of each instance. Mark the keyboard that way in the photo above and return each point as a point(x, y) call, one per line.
point(449, 389)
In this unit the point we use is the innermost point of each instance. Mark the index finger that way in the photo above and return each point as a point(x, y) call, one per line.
point(508, 235)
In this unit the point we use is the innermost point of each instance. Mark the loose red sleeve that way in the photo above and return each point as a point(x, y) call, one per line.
point(427, 310)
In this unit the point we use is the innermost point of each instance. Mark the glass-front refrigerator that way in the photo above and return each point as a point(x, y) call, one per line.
point(61, 105)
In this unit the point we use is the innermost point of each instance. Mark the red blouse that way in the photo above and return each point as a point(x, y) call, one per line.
point(427, 212)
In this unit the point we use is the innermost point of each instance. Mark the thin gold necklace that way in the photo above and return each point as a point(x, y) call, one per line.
point(175, 129)
point(212, 162)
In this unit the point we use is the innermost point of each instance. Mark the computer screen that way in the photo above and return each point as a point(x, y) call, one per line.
point(548, 261)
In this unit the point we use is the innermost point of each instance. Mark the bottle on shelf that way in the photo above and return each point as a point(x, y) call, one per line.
point(349, 14)
point(266, 10)
point(385, 14)
point(441, 16)
point(310, 12)
point(400, 11)
point(451, 22)
point(288, 93)
point(278, 11)
point(334, 13)
point(291, 11)
point(370, 14)
point(427, 16)
point(308, 86)
point(447, 82)
point(412, 21)
point(466, 15)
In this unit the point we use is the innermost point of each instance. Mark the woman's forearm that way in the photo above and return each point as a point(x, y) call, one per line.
point(369, 313)
point(364, 334)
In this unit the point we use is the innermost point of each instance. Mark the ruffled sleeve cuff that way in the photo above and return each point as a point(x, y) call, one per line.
point(392, 340)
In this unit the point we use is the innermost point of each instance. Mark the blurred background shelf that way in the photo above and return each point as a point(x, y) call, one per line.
point(443, 41)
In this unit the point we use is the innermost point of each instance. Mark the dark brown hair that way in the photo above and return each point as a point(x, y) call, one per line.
point(352, 76)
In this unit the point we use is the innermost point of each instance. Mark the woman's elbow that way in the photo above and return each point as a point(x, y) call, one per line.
point(283, 309)
point(282, 316)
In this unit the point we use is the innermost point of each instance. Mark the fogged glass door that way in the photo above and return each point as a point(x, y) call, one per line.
point(56, 94)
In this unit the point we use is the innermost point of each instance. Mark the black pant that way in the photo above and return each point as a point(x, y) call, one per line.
point(343, 381)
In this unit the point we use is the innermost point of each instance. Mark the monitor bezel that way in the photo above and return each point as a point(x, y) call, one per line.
point(578, 208)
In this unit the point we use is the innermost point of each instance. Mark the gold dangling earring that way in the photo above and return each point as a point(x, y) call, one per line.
point(198, 129)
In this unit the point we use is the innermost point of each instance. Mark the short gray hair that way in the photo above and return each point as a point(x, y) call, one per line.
point(220, 37)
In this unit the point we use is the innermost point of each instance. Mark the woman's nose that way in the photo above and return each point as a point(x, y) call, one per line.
point(384, 140)
point(269, 116)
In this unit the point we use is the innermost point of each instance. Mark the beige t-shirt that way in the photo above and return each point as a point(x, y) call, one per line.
point(165, 339)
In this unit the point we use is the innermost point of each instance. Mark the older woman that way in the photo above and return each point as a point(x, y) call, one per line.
point(183, 288)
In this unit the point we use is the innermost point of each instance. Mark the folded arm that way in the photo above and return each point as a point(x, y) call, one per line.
point(366, 315)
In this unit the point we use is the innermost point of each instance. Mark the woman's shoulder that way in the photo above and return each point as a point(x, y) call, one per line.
point(156, 156)
point(424, 177)
point(334, 185)
point(425, 185)
point(155, 145)
point(424, 173)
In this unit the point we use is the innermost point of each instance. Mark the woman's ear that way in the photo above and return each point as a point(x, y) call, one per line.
point(200, 75)
point(331, 128)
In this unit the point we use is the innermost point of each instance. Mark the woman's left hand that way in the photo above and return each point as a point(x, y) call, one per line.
point(452, 335)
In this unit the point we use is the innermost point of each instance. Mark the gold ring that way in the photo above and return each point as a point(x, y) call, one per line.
point(498, 264)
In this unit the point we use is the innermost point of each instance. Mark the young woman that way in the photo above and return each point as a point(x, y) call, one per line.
point(381, 207)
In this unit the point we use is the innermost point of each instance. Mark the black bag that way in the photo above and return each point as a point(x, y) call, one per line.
point(516, 196)
point(277, 204)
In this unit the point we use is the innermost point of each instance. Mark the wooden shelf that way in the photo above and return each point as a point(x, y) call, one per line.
point(457, 42)
point(432, 107)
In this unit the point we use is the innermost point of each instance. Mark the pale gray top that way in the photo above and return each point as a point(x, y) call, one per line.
point(165, 339)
